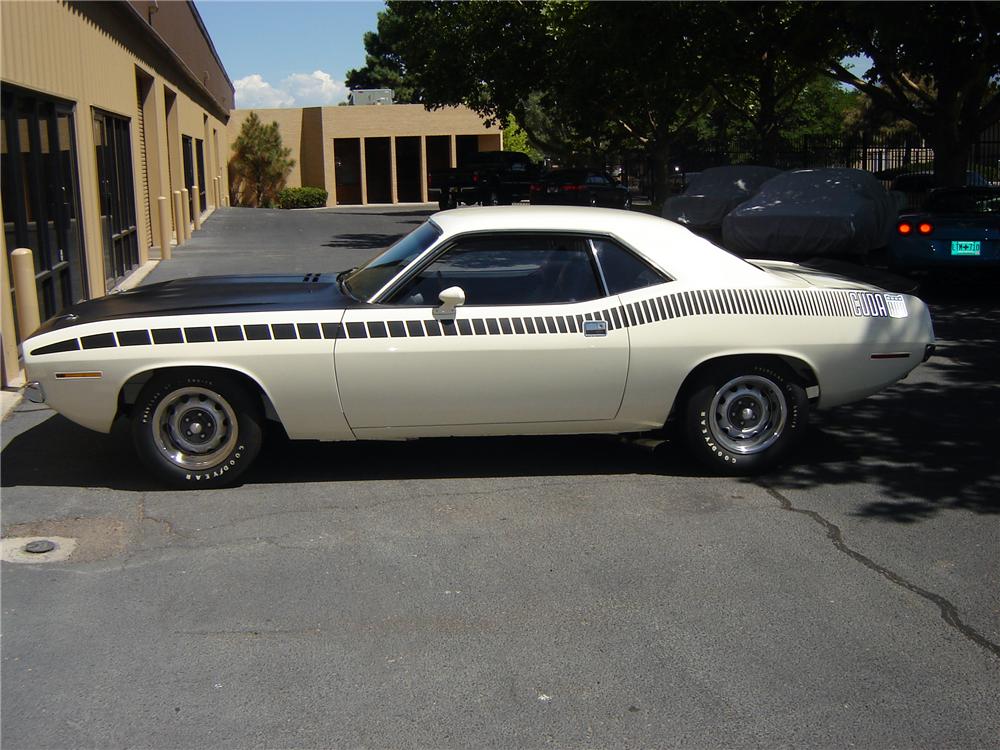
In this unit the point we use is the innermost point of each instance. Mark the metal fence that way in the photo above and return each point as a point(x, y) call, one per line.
point(883, 155)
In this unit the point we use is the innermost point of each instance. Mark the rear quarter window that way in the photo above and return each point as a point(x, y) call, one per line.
point(623, 271)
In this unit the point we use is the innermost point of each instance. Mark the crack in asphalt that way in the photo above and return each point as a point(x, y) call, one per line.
point(949, 612)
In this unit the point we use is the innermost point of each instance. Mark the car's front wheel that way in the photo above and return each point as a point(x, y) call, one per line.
point(196, 430)
point(743, 416)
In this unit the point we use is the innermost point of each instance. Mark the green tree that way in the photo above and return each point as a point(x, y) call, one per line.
point(934, 64)
point(516, 139)
point(383, 69)
point(765, 63)
point(259, 165)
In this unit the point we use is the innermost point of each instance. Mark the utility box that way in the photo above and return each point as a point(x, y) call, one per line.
point(370, 96)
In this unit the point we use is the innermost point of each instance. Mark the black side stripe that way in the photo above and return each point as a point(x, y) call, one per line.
point(833, 303)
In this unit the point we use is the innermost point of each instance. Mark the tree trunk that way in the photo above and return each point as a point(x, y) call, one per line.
point(952, 147)
point(659, 158)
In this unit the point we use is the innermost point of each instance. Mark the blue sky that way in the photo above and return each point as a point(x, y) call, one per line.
point(289, 54)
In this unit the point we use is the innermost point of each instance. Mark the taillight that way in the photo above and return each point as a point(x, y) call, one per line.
point(925, 228)
point(475, 176)
point(569, 188)
point(535, 188)
point(904, 228)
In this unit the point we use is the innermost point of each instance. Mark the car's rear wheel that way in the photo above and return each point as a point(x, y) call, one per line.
point(743, 416)
point(196, 430)
point(446, 201)
point(492, 198)
point(627, 203)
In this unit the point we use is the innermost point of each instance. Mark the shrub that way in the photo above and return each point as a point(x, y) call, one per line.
point(302, 197)
point(259, 164)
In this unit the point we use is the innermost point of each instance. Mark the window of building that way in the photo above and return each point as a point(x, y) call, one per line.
point(40, 195)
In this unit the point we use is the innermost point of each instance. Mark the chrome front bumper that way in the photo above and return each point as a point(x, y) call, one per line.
point(34, 393)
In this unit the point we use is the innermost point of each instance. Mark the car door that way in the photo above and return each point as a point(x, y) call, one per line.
point(534, 342)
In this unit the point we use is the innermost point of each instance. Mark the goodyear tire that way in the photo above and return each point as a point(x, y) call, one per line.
point(196, 429)
point(743, 416)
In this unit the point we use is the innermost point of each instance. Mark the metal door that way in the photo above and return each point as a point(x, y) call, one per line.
point(117, 193)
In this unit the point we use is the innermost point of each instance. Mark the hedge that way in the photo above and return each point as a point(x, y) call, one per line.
point(302, 197)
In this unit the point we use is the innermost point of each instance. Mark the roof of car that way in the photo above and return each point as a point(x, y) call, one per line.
point(678, 251)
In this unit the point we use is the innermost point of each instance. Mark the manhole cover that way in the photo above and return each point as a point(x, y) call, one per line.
point(40, 546)
point(27, 549)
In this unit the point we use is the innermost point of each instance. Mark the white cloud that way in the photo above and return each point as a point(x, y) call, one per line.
point(297, 90)
point(254, 91)
point(314, 89)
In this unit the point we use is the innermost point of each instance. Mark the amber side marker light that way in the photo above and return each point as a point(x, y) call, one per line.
point(78, 375)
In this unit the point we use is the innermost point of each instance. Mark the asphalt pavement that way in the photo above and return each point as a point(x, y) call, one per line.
point(515, 592)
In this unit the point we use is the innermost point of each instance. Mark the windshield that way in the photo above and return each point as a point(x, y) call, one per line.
point(964, 201)
point(363, 282)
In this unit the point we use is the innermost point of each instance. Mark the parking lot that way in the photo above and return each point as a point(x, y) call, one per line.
point(515, 592)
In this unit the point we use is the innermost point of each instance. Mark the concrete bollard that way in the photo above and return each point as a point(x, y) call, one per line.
point(26, 290)
point(186, 213)
point(196, 218)
point(179, 216)
point(215, 192)
point(164, 209)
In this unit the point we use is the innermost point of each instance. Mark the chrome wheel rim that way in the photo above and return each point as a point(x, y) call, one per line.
point(195, 428)
point(748, 414)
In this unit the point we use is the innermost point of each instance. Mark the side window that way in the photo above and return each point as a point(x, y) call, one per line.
point(623, 271)
point(508, 270)
point(596, 179)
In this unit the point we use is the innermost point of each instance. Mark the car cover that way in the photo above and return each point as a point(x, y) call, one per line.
point(712, 194)
point(812, 212)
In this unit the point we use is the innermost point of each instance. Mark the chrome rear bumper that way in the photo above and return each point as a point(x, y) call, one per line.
point(34, 393)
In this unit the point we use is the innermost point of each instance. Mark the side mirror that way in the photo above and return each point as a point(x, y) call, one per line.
point(451, 298)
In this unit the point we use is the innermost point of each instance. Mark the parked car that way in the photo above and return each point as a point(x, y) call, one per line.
point(579, 187)
point(812, 212)
point(482, 321)
point(491, 178)
point(915, 187)
point(957, 227)
point(712, 194)
point(923, 182)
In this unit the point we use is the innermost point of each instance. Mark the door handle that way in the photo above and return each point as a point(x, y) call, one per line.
point(595, 328)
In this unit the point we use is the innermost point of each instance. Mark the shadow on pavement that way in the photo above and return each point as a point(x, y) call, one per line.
point(927, 446)
point(362, 241)
point(59, 453)
point(420, 214)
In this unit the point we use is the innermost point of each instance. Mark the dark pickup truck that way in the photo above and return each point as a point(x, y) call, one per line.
point(490, 177)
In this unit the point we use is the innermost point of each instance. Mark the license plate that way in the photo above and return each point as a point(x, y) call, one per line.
point(972, 247)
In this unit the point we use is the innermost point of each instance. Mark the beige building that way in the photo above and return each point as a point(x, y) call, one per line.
point(380, 153)
point(106, 107)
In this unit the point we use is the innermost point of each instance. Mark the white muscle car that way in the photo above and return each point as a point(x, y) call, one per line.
point(483, 321)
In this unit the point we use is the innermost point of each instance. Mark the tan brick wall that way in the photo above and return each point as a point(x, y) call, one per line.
point(89, 58)
point(311, 132)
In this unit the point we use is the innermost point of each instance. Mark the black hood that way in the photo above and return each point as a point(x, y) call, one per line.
point(210, 294)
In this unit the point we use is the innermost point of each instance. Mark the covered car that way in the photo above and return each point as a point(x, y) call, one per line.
point(813, 212)
point(712, 194)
